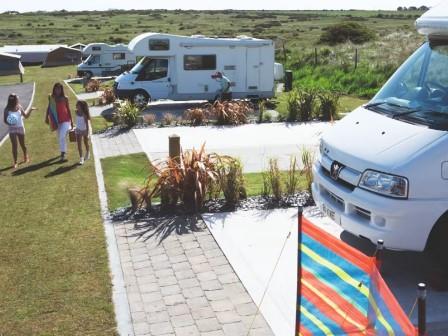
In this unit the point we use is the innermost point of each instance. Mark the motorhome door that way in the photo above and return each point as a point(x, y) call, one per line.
point(154, 78)
point(253, 68)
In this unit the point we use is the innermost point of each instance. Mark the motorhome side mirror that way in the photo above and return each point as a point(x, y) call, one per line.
point(169, 79)
point(89, 63)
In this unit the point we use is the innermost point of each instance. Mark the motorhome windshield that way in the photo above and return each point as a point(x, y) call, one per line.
point(418, 91)
point(92, 59)
point(140, 65)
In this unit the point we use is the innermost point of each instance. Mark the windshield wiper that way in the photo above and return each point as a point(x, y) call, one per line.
point(388, 102)
point(400, 114)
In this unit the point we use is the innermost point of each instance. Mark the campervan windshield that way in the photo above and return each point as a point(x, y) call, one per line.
point(418, 92)
point(151, 69)
point(93, 59)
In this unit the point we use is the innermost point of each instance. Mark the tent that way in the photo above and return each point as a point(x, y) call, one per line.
point(10, 65)
point(63, 56)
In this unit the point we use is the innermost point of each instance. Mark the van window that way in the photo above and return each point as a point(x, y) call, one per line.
point(159, 44)
point(152, 69)
point(200, 62)
point(118, 56)
point(93, 59)
point(96, 48)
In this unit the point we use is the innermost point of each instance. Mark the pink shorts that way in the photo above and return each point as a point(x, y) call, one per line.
point(16, 130)
point(79, 132)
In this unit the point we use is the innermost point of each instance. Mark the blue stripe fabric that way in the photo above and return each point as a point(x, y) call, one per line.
point(329, 323)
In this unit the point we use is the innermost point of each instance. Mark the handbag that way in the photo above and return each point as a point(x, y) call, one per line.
point(72, 135)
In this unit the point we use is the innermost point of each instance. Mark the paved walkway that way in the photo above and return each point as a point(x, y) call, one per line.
point(116, 142)
point(179, 282)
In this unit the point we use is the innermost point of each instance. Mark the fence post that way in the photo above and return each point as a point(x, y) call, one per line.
point(421, 309)
point(315, 56)
point(356, 58)
point(174, 147)
point(379, 253)
point(299, 268)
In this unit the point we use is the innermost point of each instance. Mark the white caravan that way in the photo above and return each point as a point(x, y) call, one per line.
point(382, 172)
point(181, 68)
point(105, 60)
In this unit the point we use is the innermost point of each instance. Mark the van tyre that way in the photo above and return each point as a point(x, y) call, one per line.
point(141, 98)
point(88, 75)
point(437, 245)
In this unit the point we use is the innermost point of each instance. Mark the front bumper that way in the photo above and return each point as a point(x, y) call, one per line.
point(401, 224)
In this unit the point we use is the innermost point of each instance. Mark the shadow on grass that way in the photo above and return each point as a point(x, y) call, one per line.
point(37, 166)
point(61, 170)
point(161, 227)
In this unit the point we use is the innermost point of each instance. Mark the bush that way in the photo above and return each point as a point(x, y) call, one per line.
point(231, 180)
point(292, 106)
point(196, 116)
point(328, 105)
point(108, 96)
point(150, 118)
point(346, 31)
point(292, 177)
point(126, 114)
point(231, 112)
point(267, 117)
point(168, 118)
point(306, 100)
point(92, 85)
point(275, 179)
point(307, 170)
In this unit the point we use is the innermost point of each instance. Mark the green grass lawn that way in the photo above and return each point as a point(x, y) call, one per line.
point(54, 276)
point(122, 172)
point(99, 124)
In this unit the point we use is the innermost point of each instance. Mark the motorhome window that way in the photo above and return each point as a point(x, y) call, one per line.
point(96, 48)
point(200, 62)
point(159, 44)
point(93, 59)
point(418, 91)
point(153, 69)
point(118, 56)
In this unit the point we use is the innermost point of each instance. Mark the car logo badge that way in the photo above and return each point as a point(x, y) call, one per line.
point(335, 170)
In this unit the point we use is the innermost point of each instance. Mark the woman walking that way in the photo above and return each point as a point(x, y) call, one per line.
point(13, 116)
point(59, 116)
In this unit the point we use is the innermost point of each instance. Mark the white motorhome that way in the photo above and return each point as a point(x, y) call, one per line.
point(181, 68)
point(382, 172)
point(105, 60)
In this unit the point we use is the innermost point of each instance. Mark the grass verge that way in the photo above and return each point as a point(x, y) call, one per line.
point(122, 172)
point(54, 277)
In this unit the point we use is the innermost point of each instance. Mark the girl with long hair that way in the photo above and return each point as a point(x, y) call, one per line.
point(59, 116)
point(82, 129)
point(13, 116)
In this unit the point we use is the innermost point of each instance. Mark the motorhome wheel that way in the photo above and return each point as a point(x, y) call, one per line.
point(88, 74)
point(141, 98)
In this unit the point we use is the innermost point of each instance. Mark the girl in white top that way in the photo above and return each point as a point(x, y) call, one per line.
point(13, 116)
point(82, 129)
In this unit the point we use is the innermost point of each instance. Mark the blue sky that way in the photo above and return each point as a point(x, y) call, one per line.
point(27, 5)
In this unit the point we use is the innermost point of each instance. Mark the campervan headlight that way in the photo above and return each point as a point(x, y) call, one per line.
point(385, 184)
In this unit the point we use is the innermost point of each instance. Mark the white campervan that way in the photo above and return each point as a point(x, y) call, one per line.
point(181, 68)
point(105, 60)
point(382, 172)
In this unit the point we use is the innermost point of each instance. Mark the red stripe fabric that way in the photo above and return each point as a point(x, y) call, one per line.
point(304, 332)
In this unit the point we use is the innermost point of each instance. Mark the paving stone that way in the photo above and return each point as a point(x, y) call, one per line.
point(181, 266)
point(139, 317)
point(184, 274)
point(197, 259)
point(157, 317)
point(218, 261)
point(228, 317)
point(246, 309)
point(188, 283)
point(194, 252)
point(228, 278)
point(161, 328)
point(167, 281)
point(206, 276)
point(156, 306)
point(223, 269)
point(182, 320)
point(203, 313)
point(172, 300)
point(164, 273)
point(235, 329)
point(211, 285)
point(201, 268)
point(222, 305)
point(149, 287)
point(208, 324)
point(141, 328)
point(178, 258)
point(196, 303)
point(178, 309)
point(151, 297)
point(170, 290)
point(216, 295)
point(213, 333)
point(187, 331)
point(193, 292)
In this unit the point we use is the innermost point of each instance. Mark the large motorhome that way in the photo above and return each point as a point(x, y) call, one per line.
point(105, 60)
point(382, 172)
point(181, 68)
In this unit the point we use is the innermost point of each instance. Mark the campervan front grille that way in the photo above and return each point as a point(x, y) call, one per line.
point(339, 180)
point(363, 213)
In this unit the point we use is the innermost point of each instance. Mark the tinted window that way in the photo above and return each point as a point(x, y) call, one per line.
point(153, 69)
point(96, 48)
point(159, 44)
point(200, 62)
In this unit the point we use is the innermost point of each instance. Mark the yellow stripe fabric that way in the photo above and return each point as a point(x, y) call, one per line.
point(316, 321)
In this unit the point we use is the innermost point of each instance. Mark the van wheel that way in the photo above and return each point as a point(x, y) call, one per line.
point(436, 247)
point(88, 74)
point(141, 98)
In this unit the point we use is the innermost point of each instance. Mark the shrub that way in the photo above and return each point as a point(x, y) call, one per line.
point(126, 114)
point(266, 189)
point(150, 118)
point(307, 170)
point(292, 106)
point(92, 85)
point(306, 101)
point(292, 177)
point(328, 107)
point(231, 112)
point(186, 178)
point(196, 116)
point(346, 31)
point(168, 118)
point(267, 117)
point(275, 179)
point(108, 96)
point(230, 175)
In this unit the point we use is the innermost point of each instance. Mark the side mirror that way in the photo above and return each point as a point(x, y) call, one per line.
point(169, 79)
point(89, 63)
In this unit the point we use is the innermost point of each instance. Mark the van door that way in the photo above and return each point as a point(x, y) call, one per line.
point(253, 69)
point(154, 78)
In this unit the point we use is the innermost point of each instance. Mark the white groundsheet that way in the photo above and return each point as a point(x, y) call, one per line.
point(254, 144)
